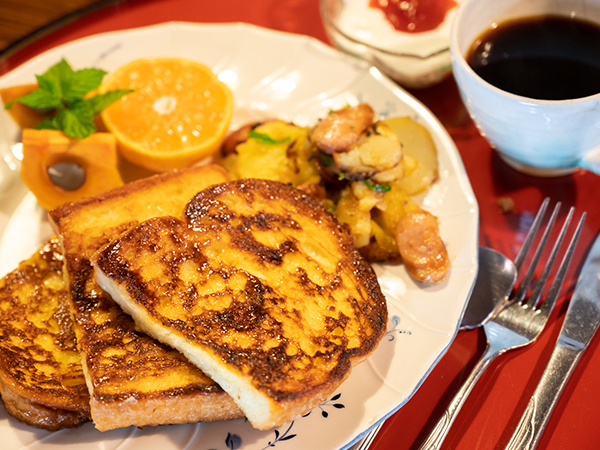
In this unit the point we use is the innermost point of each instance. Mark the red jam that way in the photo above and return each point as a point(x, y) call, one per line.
point(414, 16)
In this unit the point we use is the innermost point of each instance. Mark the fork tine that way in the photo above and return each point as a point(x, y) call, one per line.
point(531, 234)
point(537, 292)
point(524, 287)
point(552, 295)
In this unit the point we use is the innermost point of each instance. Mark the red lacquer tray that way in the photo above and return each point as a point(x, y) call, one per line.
point(495, 405)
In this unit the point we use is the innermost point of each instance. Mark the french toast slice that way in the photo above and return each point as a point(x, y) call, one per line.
point(259, 286)
point(41, 378)
point(132, 378)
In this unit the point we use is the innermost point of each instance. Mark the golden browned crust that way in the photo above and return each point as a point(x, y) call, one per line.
point(38, 415)
point(258, 281)
point(40, 368)
point(133, 379)
point(183, 406)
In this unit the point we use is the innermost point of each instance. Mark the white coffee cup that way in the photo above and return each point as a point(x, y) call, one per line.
point(538, 137)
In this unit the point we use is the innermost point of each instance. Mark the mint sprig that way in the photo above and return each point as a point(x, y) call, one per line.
point(63, 89)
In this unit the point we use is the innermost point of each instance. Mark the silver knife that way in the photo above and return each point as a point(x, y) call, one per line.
point(581, 322)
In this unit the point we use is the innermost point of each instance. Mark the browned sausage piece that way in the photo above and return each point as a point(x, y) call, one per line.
point(421, 247)
point(342, 128)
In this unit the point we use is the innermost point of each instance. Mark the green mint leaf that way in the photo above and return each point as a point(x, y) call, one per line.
point(377, 187)
point(58, 73)
point(49, 123)
point(101, 101)
point(79, 83)
point(38, 99)
point(50, 86)
point(77, 121)
point(46, 96)
point(265, 138)
point(75, 126)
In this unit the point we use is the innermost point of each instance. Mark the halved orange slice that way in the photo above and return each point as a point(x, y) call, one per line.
point(177, 114)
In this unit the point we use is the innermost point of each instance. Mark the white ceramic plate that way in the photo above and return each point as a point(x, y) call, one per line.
point(294, 78)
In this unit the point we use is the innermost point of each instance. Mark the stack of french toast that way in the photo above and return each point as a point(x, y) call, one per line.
point(186, 297)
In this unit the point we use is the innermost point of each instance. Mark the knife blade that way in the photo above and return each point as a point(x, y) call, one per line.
point(578, 329)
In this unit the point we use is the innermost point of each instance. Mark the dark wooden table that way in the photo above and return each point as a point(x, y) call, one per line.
point(19, 18)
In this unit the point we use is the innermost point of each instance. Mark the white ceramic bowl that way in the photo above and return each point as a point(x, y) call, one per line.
point(413, 60)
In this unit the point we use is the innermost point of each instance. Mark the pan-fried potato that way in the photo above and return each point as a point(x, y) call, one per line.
point(349, 211)
point(274, 150)
point(374, 225)
point(382, 245)
point(417, 144)
point(397, 203)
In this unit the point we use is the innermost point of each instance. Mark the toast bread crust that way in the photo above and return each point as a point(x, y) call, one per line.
point(259, 286)
point(41, 378)
point(132, 378)
point(39, 416)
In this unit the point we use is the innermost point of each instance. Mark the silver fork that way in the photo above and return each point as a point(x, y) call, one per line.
point(518, 324)
point(521, 321)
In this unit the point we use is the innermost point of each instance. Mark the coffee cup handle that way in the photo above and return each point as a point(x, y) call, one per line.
point(591, 161)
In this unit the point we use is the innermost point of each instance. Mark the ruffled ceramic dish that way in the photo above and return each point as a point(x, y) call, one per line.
point(295, 78)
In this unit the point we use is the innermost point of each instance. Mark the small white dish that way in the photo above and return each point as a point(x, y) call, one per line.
point(413, 60)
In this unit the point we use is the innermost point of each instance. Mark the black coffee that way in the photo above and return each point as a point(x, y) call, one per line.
point(546, 57)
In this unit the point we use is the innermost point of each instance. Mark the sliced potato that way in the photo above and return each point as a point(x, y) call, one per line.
point(418, 144)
